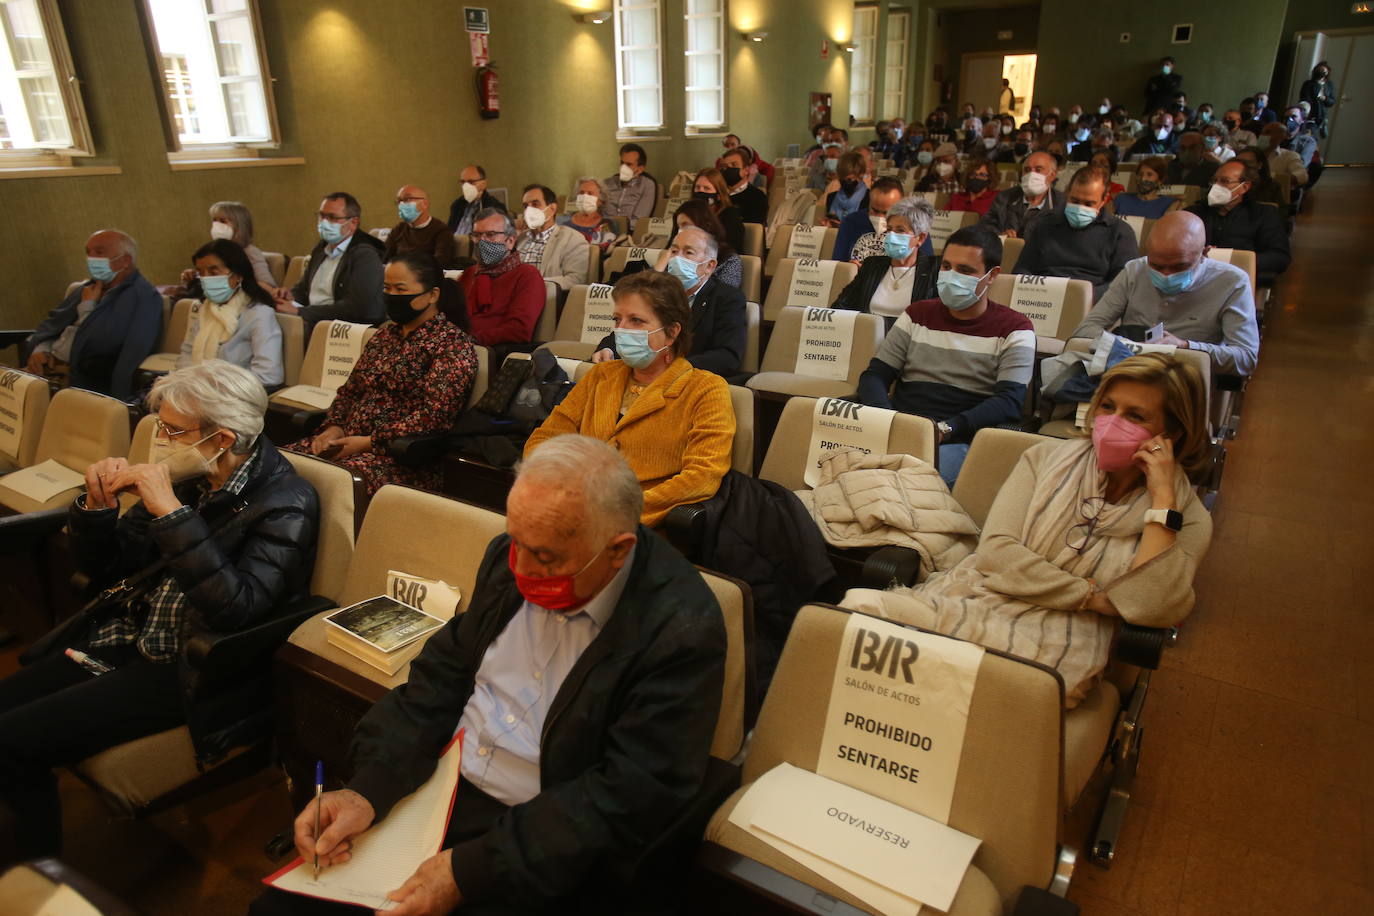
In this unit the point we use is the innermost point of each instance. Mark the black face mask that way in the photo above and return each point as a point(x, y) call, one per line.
point(1021, 149)
point(704, 195)
point(849, 184)
point(731, 176)
point(1230, 123)
point(976, 185)
point(399, 308)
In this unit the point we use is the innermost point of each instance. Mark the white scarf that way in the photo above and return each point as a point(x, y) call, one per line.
point(217, 324)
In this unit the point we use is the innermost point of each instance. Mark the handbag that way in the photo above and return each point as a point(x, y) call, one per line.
point(495, 401)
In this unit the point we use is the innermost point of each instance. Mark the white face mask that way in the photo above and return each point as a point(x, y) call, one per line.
point(1163, 133)
point(1102, 109)
point(220, 230)
point(1033, 184)
point(1073, 118)
point(535, 217)
point(1219, 195)
point(944, 169)
point(470, 192)
point(989, 142)
point(879, 223)
point(183, 461)
point(626, 173)
point(586, 203)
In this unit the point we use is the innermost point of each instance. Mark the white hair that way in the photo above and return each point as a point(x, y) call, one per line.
point(916, 210)
point(600, 191)
point(508, 224)
point(708, 241)
point(127, 243)
point(612, 494)
point(217, 394)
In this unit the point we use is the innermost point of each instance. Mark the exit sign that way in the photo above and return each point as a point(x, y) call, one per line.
point(1004, 35)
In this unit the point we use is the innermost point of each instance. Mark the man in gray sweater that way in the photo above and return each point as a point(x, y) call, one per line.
point(1084, 242)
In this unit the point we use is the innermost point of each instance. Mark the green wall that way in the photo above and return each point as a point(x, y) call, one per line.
point(376, 95)
point(974, 31)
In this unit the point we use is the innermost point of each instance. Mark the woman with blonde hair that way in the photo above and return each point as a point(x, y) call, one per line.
point(1083, 531)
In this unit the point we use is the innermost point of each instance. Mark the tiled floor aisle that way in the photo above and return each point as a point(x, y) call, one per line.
point(1257, 777)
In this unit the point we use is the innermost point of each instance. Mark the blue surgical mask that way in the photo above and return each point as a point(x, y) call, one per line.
point(633, 347)
point(1079, 215)
point(1082, 134)
point(329, 231)
point(897, 245)
point(684, 270)
point(1211, 142)
point(831, 164)
point(99, 269)
point(1171, 284)
point(409, 211)
point(216, 289)
point(490, 253)
point(958, 291)
point(925, 157)
point(1206, 117)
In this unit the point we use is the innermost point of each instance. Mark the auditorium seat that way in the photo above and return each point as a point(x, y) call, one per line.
point(32, 395)
point(622, 255)
point(652, 231)
point(276, 265)
point(79, 428)
point(753, 240)
point(548, 317)
point(575, 337)
point(782, 291)
point(1078, 301)
point(784, 462)
point(292, 346)
point(750, 363)
point(288, 418)
point(751, 277)
point(808, 241)
point(1011, 250)
point(295, 270)
point(48, 887)
point(780, 373)
point(173, 335)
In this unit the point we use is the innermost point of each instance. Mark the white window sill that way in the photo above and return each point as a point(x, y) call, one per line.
point(643, 138)
point(57, 171)
point(237, 162)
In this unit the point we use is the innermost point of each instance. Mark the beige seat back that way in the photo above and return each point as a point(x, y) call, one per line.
point(624, 254)
point(1008, 785)
point(742, 449)
point(32, 395)
point(1245, 260)
point(341, 496)
point(141, 443)
point(781, 355)
point(782, 247)
point(1078, 301)
point(276, 266)
point(174, 331)
point(780, 288)
point(295, 270)
point(81, 427)
point(567, 339)
point(1011, 250)
point(736, 607)
point(312, 365)
point(594, 262)
point(652, 231)
point(548, 317)
point(481, 378)
point(1140, 226)
point(752, 319)
point(753, 241)
point(785, 461)
point(991, 457)
point(292, 346)
point(948, 222)
point(751, 273)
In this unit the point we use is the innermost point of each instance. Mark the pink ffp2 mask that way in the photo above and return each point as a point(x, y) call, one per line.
point(1116, 441)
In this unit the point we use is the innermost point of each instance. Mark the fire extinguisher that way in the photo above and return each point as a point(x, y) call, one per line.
point(488, 93)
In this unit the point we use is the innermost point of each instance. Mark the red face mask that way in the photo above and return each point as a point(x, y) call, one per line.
point(552, 593)
point(1117, 440)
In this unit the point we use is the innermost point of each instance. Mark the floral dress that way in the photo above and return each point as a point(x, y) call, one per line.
point(402, 386)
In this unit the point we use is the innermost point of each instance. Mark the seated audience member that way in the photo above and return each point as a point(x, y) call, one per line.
point(503, 295)
point(718, 325)
point(1022, 147)
point(1014, 211)
point(890, 281)
point(417, 230)
point(1192, 166)
point(942, 177)
point(102, 330)
point(884, 193)
point(1083, 532)
point(412, 378)
point(884, 144)
point(1301, 136)
point(1273, 140)
point(1160, 139)
point(938, 128)
point(565, 783)
point(559, 253)
point(1058, 150)
point(631, 192)
point(1204, 304)
point(989, 143)
point(922, 158)
point(738, 168)
point(673, 423)
point(729, 269)
point(710, 188)
point(851, 193)
point(1266, 189)
point(344, 277)
point(1146, 200)
point(1102, 138)
point(474, 198)
point(1202, 116)
point(234, 320)
point(1084, 242)
point(584, 213)
point(822, 171)
point(979, 189)
point(1216, 143)
point(1248, 120)
point(232, 221)
point(961, 360)
point(868, 170)
point(211, 463)
point(1233, 220)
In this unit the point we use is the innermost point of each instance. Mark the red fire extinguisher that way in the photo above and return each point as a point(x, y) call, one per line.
point(488, 93)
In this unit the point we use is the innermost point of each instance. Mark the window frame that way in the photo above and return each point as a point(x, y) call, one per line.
point(721, 15)
point(902, 65)
point(623, 129)
point(870, 58)
point(69, 87)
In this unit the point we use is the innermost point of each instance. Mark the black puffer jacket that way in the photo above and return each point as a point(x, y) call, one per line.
point(239, 559)
point(859, 293)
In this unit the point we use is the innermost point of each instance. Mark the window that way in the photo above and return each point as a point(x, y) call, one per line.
point(705, 63)
point(862, 64)
point(638, 65)
point(40, 106)
point(214, 75)
point(894, 65)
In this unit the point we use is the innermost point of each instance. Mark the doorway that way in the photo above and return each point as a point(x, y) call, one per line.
point(1350, 123)
point(980, 80)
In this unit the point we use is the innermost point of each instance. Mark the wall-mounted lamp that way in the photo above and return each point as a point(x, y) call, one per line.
point(754, 36)
point(850, 49)
point(594, 18)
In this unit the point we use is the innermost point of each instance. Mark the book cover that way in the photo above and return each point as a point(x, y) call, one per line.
point(384, 623)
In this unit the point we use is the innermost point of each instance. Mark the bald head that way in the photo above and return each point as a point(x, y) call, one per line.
point(112, 244)
point(413, 204)
point(1176, 242)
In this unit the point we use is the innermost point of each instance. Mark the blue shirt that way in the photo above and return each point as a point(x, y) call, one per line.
point(516, 683)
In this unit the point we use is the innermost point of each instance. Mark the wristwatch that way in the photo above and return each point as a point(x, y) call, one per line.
point(1169, 518)
point(945, 429)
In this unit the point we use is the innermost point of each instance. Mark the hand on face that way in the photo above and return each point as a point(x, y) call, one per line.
point(1156, 458)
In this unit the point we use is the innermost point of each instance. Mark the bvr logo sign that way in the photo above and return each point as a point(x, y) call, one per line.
point(599, 291)
point(1031, 280)
point(9, 380)
point(638, 254)
point(874, 653)
point(823, 315)
point(411, 593)
point(836, 407)
point(809, 262)
point(340, 330)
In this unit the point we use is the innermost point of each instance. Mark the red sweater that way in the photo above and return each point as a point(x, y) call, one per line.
point(977, 203)
point(504, 308)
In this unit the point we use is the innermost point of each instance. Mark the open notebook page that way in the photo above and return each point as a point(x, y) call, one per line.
point(386, 855)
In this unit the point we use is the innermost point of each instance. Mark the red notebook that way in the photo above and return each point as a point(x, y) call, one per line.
point(387, 854)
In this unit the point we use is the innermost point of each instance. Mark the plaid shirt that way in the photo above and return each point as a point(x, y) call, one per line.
point(159, 635)
point(531, 245)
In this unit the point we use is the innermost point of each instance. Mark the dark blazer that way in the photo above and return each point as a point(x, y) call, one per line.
point(234, 577)
point(459, 208)
point(624, 749)
point(857, 295)
point(1009, 211)
point(121, 332)
point(732, 220)
point(1200, 175)
point(719, 329)
point(1252, 226)
point(753, 205)
point(1095, 253)
point(357, 283)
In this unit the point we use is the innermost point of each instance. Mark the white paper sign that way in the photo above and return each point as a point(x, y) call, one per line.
point(660, 227)
point(789, 163)
point(342, 348)
point(598, 315)
point(44, 481)
point(13, 385)
point(889, 173)
point(795, 184)
point(839, 425)
point(1173, 190)
point(670, 206)
point(1080, 416)
point(1066, 174)
point(1103, 348)
point(944, 224)
point(1122, 178)
point(811, 280)
point(881, 852)
point(806, 241)
point(827, 336)
point(898, 710)
point(433, 596)
point(1137, 224)
point(1041, 299)
point(930, 197)
point(309, 395)
point(647, 255)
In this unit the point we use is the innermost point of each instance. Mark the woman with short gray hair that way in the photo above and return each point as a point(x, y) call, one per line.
point(232, 220)
point(892, 278)
point(583, 212)
point(221, 539)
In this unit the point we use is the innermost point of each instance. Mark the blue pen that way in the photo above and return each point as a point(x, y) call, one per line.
point(319, 790)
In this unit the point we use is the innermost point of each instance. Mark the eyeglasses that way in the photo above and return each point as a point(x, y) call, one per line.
point(1229, 182)
point(1079, 535)
point(410, 200)
point(334, 219)
point(498, 236)
point(170, 431)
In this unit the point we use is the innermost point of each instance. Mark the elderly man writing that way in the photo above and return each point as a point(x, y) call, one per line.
point(100, 333)
point(418, 230)
point(569, 774)
point(1204, 304)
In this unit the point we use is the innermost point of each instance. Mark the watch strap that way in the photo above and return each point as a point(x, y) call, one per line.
point(1169, 518)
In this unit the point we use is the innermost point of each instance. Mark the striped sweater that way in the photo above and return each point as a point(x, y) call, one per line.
point(971, 374)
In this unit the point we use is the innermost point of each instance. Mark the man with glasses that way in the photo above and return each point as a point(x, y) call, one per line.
point(417, 230)
point(343, 280)
point(504, 295)
point(1232, 220)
